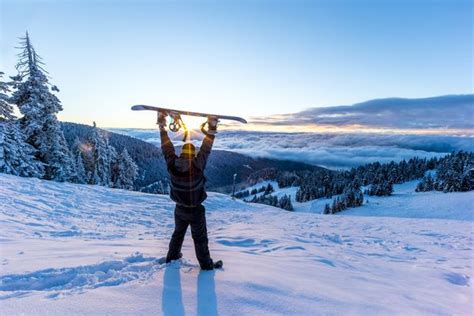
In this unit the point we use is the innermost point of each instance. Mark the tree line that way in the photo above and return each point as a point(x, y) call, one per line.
point(266, 197)
point(451, 173)
point(380, 177)
point(454, 173)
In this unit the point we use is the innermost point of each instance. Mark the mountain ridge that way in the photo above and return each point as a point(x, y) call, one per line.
point(221, 167)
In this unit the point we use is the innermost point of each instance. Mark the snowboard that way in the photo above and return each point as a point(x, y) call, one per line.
point(176, 113)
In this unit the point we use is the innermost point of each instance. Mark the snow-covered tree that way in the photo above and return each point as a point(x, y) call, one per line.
point(327, 209)
point(426, 184)
point(16, 156)
point(456, 172)
point(80, 169)
point(268, 189)
point(114, 159)
point(382, 188)
point(128, 171)
point(6, 110)
point(77, 154)
point(101, 158)
point(285, 203)
point(39, 106)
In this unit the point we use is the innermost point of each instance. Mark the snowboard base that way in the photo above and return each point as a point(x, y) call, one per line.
point(176, 113)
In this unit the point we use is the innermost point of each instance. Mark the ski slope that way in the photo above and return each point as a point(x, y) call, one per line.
point(70, 249)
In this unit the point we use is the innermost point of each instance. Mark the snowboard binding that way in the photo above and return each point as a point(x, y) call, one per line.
point(176, 123)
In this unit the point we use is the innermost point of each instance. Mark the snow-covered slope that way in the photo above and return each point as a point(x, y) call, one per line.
point(77, 249)
point(404, 202)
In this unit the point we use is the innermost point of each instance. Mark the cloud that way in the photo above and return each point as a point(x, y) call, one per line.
point(444, 112)
point(329, 150)
point(340, 150)
point(417, 127)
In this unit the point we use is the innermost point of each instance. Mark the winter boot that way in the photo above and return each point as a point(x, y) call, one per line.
point(168, 260)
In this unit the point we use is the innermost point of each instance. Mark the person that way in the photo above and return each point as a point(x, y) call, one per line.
point(187, 189)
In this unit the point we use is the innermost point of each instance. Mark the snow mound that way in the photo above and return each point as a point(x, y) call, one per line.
point(108, 273)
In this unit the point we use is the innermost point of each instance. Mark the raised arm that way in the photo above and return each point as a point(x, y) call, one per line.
point(207, 142)
point(204, 151)
point(166, 145)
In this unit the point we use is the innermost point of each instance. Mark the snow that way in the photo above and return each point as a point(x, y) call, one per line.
point(80, 249)
point(404, 202)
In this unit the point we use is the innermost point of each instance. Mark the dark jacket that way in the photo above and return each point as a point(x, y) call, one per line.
point(187, 185)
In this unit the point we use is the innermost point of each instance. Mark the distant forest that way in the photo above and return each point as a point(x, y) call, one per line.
point(451, 173)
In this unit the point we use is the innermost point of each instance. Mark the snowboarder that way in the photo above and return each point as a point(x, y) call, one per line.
point(187, 189)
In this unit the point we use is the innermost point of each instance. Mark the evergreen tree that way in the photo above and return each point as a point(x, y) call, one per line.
point(39, 106)
point(128, 171)
point(285, 203)
point(80, 169)
point(455, 173)
point(426, 184)
point(6, 110)
point(268, 189)
point(327, 209)
point(16, 156)
point(114, 159)
point(381, 188)
point(79, 153)
point(101, 158)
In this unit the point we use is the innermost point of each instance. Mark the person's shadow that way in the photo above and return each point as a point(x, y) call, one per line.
point(206, 294)
point(172, 297)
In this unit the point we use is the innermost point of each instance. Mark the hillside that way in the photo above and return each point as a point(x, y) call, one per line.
point(80, 249)
point(404, 202)
point(221, 167)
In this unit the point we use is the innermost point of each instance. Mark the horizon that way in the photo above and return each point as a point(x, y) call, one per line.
point(289, 56)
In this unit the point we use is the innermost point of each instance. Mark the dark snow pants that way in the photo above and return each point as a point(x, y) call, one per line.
point(196, 218)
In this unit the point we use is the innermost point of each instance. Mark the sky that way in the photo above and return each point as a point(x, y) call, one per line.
point(246, 58)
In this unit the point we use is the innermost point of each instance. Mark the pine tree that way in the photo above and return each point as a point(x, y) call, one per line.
point(6, 110)
point(101, 158)
point(285, 203)
point(16, 156)
point(114, 159)
point(334, 206)
point(39, 107)
point(80, 169)
point(78, 158)
point(268, 189)
point(327, 209)
point(128, 171)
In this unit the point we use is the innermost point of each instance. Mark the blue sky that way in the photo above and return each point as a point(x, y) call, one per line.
point(248, 58)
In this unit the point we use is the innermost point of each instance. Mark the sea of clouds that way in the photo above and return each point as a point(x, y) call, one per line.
point(329, 150)
point(348, 149)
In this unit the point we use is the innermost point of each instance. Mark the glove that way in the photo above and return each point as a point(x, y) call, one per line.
point(212, 125)
point(162, 121)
